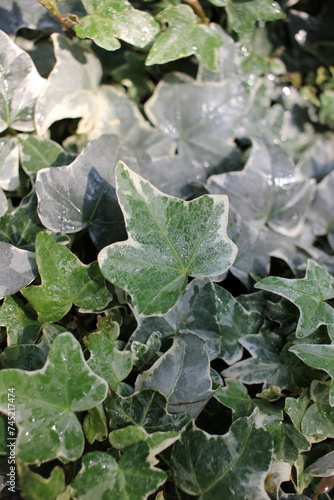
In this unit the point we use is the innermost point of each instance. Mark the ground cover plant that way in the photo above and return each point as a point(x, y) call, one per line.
point(166, 249)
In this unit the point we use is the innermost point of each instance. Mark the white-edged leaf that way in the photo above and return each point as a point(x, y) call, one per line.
point(17, 269)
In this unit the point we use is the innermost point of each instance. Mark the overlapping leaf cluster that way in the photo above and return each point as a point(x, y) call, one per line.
point(166, 249)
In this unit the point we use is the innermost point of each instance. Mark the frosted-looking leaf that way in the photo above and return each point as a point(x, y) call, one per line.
point(17, 269)
point(20, 85)
point(9, 164)
point(198, 117)
point(269, 190)
point(3, 203)
point(169, 240)
point(69, 91)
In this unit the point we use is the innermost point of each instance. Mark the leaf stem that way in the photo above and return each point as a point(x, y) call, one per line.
point(198, 9)
point(66, 22)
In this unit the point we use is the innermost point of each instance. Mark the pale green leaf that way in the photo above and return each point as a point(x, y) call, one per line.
point(308, 294)
point(132, 478)
point(182, 374)
point(37, 153)
point(243, 15)
point(224, 466)
point(318, 421)
point(20, 85)
point(20, 321)
point(65, 281)
point(107, 361)
point(110, 20)
point(17, 269)
point(169, 239)
point(320, 357)
point(46, 401)
point(95, 424)
point(185, 37)
point(37, 487)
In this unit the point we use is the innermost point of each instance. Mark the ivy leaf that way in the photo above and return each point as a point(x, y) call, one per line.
point(95, 424)
point(37, 487)
point(209, 311)
point(218, 466)
point(198, 117)
point(169, 239)
point(20, 321)
point(182, 374)
point(107, 361)
point(234, 395)
point(46, 401)
point(184, 37)
point(3, 203)
point(285, 193)
point(146, 408)
point(9, 164)
point(243, 15)
point(109, 20)
point(17, 269)
point(102, 477)
point(320, 357)
point(157, 441)
point(20, 226)
point(318, 420)
point(321, 214)
point(82, 194)
point(308, 294)
point(37, 153)
point(21, 85)
point(69, 90)
point(65, 281)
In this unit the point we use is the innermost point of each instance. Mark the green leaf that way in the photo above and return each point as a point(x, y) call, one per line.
point(318, 421)
point(146, 408)
point(17, 269)
point(182, 374)
point(320, 357)
point(37, 487)
point(20, 226)
point(107, 361)
point(222, 466)
point(169, 239)
point(242, 15)
point(128, 436)
point(65, 281)
point(234, 395)
point(95, 424)
point(184, 37)
point(308, 294)
point(288, 442)
point(37, 153)
point(20, 86)
point(132, 478)
point(209, 311)
point(109, 20)
point(46, 401)
point(20, 320)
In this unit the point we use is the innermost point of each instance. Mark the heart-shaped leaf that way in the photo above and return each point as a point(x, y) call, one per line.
point(46, 401)
point(169, 239)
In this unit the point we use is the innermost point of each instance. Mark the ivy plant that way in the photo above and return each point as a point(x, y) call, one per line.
point(166, 250)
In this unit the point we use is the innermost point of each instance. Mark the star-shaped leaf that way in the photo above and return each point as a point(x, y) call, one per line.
point(169, 240)
point(46, 401)
point(184, 37)
point(308, 294)
point(108, 20)
point(65, 281)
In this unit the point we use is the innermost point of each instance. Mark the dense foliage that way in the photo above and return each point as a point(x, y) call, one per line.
point(166, 249)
